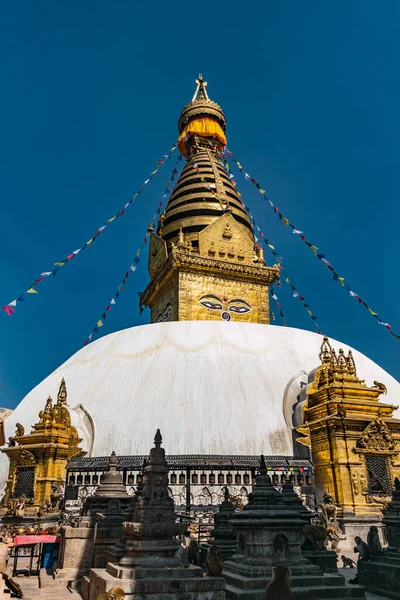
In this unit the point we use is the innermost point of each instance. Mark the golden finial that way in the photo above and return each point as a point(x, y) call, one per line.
point(351, 365)
point(62, 393)
point(334, 360)
point(180, 244)
point(48, 410)
point(341, 362)
point(201, 92)
point(326, 351)
point(260, 254)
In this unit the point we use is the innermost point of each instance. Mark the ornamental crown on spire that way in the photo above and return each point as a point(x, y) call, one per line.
point(201, 117)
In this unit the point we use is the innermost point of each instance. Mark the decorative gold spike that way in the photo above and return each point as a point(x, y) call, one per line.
point(351, 365)
point(334, 360)
point(260, 254)
point(62, 393)
point(48, 410)
point(325, 354)
point(180, 244)
point(341, 362)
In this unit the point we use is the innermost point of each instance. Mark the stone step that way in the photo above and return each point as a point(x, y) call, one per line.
point(298, 581)
point(303, 593)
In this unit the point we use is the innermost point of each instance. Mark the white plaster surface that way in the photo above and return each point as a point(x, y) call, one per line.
point(211, 387)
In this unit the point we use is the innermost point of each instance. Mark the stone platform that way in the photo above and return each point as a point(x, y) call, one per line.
point(154, 584)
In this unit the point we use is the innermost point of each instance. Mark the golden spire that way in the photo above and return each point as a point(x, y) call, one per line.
point(62, 393)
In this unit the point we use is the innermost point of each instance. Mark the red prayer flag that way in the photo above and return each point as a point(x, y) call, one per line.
point(8, 309)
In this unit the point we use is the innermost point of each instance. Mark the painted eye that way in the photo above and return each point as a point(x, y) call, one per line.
point(159, 319)
point(168, 312)
point(241, 310)
point(211, 305)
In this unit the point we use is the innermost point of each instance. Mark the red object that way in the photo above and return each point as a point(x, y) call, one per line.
point(23, 540)
point(8, 309)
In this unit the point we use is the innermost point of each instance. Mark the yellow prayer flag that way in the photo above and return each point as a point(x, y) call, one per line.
point(58, 264)
point(32, 291)
point(341, 279)
point(285, 221)
point(154, 172)
point(261, 191)
point(271, 246)
point(89, 242)
point(112, 219)
point(239, 165)
point(374, 314)
point(314, 249)
point(310, 313)
point(100, 323)
point(287, 280)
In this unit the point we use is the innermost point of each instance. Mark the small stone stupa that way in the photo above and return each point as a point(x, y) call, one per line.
point(224, 535)
point(269, 533)
point(154, 561)
point(84, 545)
point(382, 573)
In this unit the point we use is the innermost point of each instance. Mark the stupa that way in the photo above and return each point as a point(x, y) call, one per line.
point(154, 562)
point(269, 533)
point(230, 385)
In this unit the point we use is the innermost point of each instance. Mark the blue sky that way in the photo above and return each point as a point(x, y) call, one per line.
point(91, 94)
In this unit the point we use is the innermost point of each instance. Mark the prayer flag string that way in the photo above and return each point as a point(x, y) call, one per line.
point(134, 264)
point(272, 248)
point(9, 308)
point(313, 247)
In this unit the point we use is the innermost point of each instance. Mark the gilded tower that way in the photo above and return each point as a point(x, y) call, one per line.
point(38, 460)
point(354, 440)
point(203, 260)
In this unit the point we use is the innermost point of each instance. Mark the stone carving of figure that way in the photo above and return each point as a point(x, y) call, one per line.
point(328, 510)
point(363, 483)
point(280, 545)
point(20, 507)
point(44, 508)
point(354, 481)
point(55, 497)
point(373, 541)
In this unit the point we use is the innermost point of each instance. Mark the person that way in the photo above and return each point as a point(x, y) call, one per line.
point(364, 555)
point(279, 587)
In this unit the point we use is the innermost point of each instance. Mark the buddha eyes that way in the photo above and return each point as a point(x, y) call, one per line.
point(241, 310)
point(211, 305)
point(236, 305)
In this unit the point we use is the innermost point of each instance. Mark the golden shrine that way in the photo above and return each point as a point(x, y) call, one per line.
point(204, 263)
point(353, 438)
point(38, 460)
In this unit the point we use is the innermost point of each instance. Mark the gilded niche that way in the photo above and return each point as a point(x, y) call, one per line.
point(377, 437)
point(226, 239)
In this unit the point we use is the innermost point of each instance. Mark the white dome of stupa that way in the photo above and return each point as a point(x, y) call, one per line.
point(211, 387)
